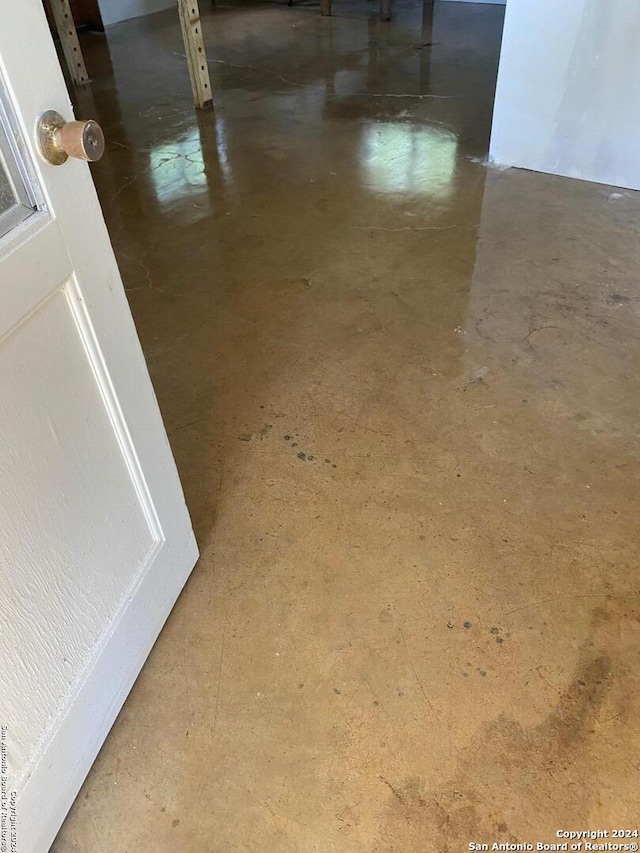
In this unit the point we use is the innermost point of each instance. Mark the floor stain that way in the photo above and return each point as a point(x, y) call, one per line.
point(510, 775)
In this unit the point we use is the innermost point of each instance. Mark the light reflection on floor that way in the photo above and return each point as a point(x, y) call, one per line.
point(408, 159)
point(178, 169)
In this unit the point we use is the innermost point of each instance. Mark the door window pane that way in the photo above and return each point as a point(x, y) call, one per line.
point(17, 200)
point(7, 197)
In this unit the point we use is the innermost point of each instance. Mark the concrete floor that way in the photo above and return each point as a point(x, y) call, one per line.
point(403, 392)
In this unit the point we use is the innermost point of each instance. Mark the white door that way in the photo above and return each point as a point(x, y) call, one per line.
point(95, 539)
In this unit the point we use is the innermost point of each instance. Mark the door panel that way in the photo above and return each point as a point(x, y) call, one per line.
point(95, 539)
point(60, 598)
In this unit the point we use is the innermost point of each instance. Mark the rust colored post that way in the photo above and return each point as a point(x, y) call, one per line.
point(69, 39)
point(191, 25)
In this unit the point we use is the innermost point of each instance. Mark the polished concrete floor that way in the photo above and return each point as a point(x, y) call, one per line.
point(402, 390)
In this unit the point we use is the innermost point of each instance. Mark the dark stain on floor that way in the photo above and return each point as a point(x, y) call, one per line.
point(516, 784)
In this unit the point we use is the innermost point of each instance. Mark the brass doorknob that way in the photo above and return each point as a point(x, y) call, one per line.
point(59, 139)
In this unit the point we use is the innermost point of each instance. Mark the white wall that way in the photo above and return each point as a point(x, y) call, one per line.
point(495, 2)
point(121, 10)
point(568, 96)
